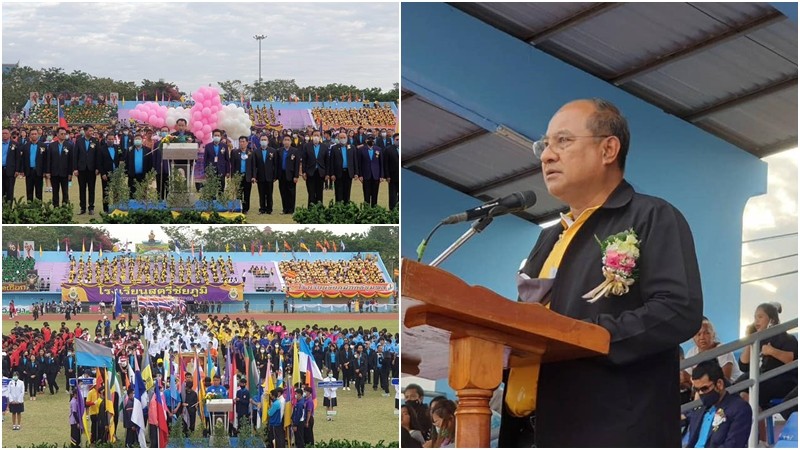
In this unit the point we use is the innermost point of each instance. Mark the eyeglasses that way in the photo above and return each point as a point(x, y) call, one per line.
point(560, 144)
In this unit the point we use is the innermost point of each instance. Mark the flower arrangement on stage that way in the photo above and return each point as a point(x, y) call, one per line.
point(620, 253)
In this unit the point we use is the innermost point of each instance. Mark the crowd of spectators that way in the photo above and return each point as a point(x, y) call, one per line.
point(262, 271)
point(264, 116)
point(124, 269)
point(379, 116)
point(354, 271)
point(428, 426)
point(16, 269)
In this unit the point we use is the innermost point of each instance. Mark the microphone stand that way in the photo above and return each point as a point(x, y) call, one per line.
point(477, 226)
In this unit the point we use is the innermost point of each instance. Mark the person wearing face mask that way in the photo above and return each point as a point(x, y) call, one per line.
point(724, 419)
point(383, 139)
point(70, 368)
point(391, 169)
point(138, 162)
point(265, 173)
point(288, 175)
point(370, 170)
point(216, 153)
point(359, 367)
point(84, 163)
point(314, 167)
point(16, 401)
point(125, 139)
point(242, 163)
point(342, 168)
point(308, 432)
point(58, 166)
point(32, 161)
point(160, 164)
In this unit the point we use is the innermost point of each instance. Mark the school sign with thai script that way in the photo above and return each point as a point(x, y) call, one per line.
point(187, 292)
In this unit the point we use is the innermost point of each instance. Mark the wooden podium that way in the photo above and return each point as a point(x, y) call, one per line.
point(481, 332)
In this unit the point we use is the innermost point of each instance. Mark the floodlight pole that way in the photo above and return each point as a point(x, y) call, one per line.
point(259, 38)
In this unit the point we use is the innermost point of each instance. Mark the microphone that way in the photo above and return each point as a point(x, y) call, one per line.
point(517, 201)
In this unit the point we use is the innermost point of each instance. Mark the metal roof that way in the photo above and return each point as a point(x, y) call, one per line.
point(728, 68)
point(717, 65)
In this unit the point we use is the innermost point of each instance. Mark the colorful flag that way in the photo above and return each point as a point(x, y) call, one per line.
point(117, 302)
point(91, 247)
point(83, 248)
point(159, 403)
point(276, 245)
point(227, 248)
point(319, 246)
point(177, 249)
point(201, 251)
point(110, 405)
point(260, 248)
point(303, 246)
point(327, 245)
point(286, 245)
point(252, 248)
point(307, 359)
point(147, 372)
point(91, 354)
point(41, 253)
point(58, 246)
point(342, 247)
point(334, 246)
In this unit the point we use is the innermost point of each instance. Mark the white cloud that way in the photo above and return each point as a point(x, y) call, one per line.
point(194, 44)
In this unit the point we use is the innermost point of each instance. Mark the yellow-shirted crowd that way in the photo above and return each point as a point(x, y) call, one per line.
point(379, 116)
point(354, 271)
point(150, 270)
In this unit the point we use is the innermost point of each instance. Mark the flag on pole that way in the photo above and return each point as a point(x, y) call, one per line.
point(100, 249)
point(117, 303)
point(62, 118)
point(83, 247)
point(110, 404)
point(91, 354)
point(260, 248)
point(334, 246)
point(177, 249)
point(307, 359)
point(327, 245)
point(192, 249)
point(286, 245)
point(342, 247)
point(227, 248)
point(147, 372)
point(319, 246)
point(58, 246)
point(276, 246)
point(303, 246)
point(252, 248)
point(201, 251)
point(231, 381)
point(41, 253)
point(91, 247)
point(81, 412)
point(158, 402)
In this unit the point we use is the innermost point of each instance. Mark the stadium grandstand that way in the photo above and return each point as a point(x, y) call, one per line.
point(312, 282)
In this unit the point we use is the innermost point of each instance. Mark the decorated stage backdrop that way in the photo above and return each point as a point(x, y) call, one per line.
point(187, 292)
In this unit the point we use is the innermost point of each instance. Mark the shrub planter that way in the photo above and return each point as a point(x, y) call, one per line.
point(134, 205)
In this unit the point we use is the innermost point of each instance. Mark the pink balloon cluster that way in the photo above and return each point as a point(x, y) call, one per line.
point(150, 113)
point(204, 113)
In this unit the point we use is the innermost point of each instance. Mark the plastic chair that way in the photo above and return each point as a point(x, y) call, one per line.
point(788, 437)
point(770, 424)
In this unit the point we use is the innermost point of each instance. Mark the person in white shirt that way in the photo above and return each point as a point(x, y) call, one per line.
point(16, 394)
point(706, 339)
point(330, 398)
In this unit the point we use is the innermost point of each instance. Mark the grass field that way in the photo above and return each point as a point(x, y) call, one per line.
point(369, 419)
point(357, 196)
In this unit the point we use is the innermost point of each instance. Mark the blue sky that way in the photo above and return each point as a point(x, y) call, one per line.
point(194, 44)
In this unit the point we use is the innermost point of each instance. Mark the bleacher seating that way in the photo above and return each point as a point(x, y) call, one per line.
point(354, 271)
point(147, 270)
point(380, 116)
point(16, 269)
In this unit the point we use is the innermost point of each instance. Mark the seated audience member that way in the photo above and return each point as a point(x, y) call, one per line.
point(415, 419)
point(444, 422)
point(706, 339)
point(775, 352)
point(414, 394)
point(724, 420)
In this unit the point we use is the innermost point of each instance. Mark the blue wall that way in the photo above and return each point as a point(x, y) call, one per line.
point(491, 78)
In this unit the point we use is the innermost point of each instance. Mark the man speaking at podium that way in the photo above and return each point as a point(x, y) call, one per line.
point(621, 260)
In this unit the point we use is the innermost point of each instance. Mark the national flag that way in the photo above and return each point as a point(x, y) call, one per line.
point(307, 359)
point(342, 242)
point(117, 302)
point(158, 402)
point(62, 119)
point(303, 246)
point(319, 246)
point(91, 354)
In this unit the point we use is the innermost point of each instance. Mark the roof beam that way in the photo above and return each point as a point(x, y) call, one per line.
point(778, 146)
point(443, 147)
point(670, 58)
point(436, 177)
point(407, 95)
point(571, 21)
point(738, 99)
point(505, 180)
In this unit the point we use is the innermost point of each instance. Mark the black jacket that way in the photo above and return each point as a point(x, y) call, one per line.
point(236, 163)
point(59, 165)
point(105, 163)
point(12, 159)
point(147, 161)
point(292, 163)
point(25, 162)
point(631, 397)
point(265, 170)
point(391, 163)
point(83, 159)
point(336, 161)
point(311, 161)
